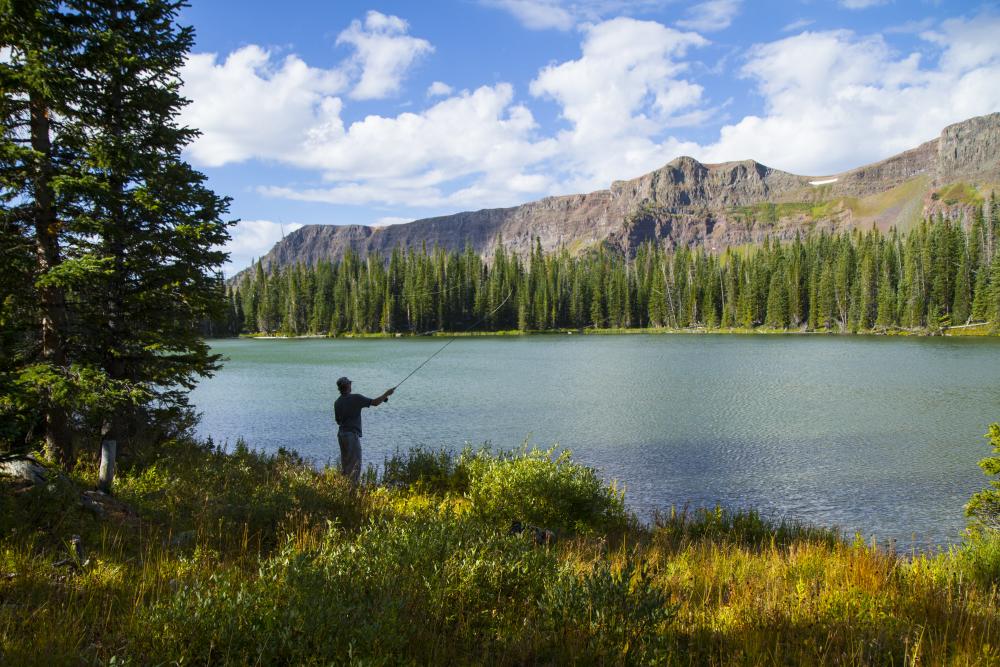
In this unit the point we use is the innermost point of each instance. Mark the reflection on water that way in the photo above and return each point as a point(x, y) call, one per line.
point(876, 435)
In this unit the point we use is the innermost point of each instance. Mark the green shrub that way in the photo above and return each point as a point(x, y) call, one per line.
point(979, 558)
point(541, 488)
point(425, 470)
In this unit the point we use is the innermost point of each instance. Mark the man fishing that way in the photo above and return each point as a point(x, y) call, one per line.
point(347, 412)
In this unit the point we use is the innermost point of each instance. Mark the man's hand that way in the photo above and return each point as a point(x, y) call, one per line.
point(384, 397)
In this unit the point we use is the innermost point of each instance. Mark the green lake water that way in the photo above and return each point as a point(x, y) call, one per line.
point(875, 435)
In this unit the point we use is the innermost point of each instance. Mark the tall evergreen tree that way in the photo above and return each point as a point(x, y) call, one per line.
point(39, 97)
point(962, 302)
point(154, 227)
point(777, 300)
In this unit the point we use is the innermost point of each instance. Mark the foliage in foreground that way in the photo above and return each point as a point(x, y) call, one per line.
point(246, 558)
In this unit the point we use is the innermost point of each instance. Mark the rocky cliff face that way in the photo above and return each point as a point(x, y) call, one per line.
point(690, 203)
point(970, 150)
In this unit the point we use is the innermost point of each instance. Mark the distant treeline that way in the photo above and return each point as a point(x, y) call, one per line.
point(941, 273)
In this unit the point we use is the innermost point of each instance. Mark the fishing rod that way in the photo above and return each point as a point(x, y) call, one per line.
point(454, 338)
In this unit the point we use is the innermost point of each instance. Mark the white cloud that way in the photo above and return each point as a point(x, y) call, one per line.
point(438, 89)
point(537, 14)
point(798, 25)
point(967, 44)
point(622, 92)
point(256, 104)
point(712, 15)
point(419, 158)
point(472, 132)
point(251, 239)
point(390, 220)
point(835, 100)
point(911, 27)
point(383, 54)
point(862, 4)
point(253, 104)
point(567, 14)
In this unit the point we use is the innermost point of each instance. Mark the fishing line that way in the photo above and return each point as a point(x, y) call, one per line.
point(454, 338)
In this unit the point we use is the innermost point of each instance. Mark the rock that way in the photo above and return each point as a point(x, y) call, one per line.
point(24, 468)
point(970, 150)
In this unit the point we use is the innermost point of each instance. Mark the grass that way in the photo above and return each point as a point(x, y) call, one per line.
point(246, 558)
point(770, 213)
point(905, 199)
point(959, 193)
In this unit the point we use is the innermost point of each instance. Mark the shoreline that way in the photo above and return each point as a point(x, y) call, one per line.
point(982, 329)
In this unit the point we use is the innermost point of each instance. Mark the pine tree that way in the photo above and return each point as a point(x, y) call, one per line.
point(156, 228)
point(39, 97)
point(961, 305)
point(866, 287)
point(794, 283)
point(826, 296)
point(993, 293)
point(777, 300)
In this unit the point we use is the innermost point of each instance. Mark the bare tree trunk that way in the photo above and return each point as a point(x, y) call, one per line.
point(58, 436)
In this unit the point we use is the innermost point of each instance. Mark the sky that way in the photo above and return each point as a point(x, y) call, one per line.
point(377, 113)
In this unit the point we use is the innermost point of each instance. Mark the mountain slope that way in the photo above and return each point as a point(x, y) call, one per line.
point(689, 203)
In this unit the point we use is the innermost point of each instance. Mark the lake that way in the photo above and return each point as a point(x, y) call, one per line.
point(875, 435)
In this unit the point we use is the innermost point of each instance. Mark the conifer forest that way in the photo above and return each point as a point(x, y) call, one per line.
point(941, 273)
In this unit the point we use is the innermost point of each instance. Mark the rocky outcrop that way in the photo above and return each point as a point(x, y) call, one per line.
point(970, 151)
point(689, 203)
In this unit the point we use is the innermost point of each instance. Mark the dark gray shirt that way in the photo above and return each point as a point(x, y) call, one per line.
point(347, 411)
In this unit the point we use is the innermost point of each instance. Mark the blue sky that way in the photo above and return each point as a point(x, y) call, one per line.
point(381, 112)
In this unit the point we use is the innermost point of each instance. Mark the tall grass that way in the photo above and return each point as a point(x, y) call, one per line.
point(246, 558)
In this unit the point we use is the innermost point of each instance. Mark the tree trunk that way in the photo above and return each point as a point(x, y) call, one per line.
point(109, 453)
point(58, 436)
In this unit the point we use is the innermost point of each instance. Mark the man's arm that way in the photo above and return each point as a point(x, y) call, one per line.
point(384, 397)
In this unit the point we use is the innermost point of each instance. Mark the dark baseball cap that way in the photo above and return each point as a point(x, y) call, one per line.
point(343, 382)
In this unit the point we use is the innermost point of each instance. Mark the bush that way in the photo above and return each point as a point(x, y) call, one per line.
point(542, 488)
point(979, 558)
point(425, 470)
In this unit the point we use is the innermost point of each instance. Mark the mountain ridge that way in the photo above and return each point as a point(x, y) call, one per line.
point(688, 203)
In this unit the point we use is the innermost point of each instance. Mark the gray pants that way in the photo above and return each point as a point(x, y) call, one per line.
point(350, 455)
